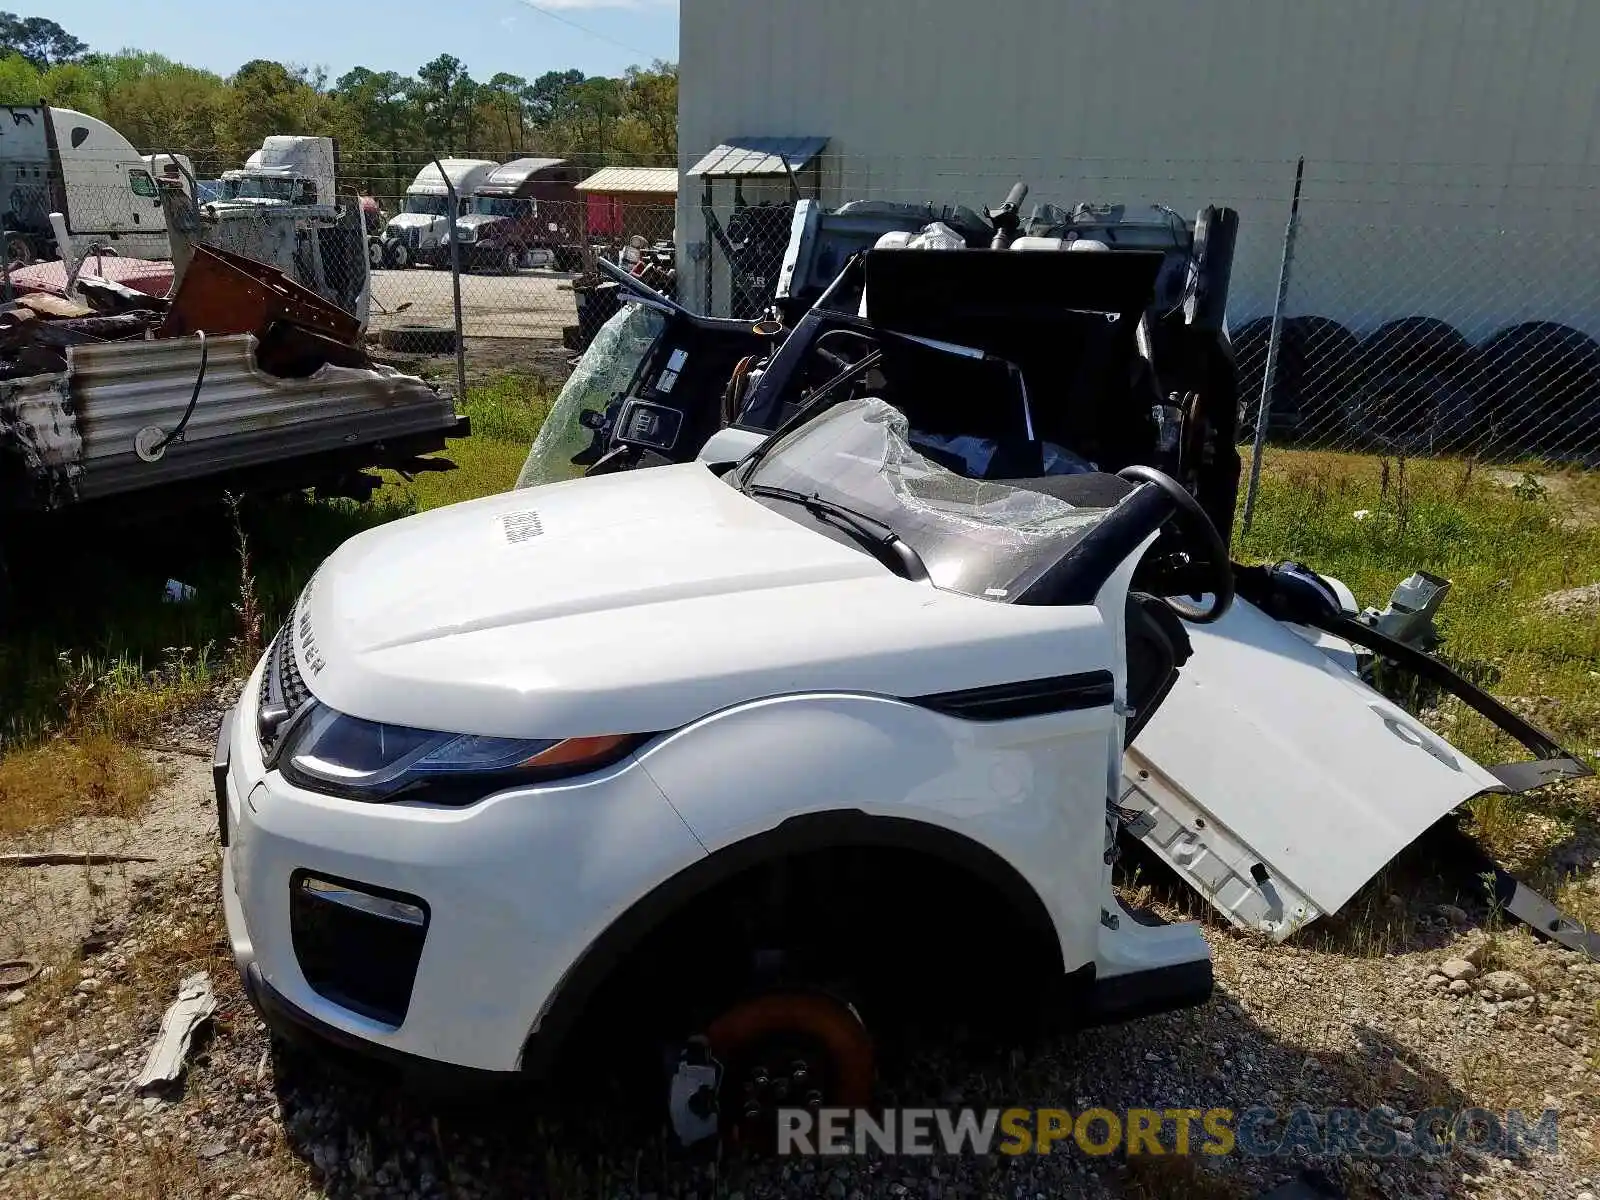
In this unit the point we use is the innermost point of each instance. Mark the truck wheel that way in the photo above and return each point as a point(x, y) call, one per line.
point(396, 255)
point(374, 253)
point(789, 1049)
point(510, 260)
point(18, 252)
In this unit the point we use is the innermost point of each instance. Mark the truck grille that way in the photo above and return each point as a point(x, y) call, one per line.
point(282, 687)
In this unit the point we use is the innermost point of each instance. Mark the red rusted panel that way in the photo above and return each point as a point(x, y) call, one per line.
point(224, 293)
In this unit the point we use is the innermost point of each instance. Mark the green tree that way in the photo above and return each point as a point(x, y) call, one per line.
point(598, 104)
point(504, 97)
point(269, 98)
point(447, 95)
point(39, 40)
point(375, 118)
point(650, 98)
point(551, 99)
point(20, 80)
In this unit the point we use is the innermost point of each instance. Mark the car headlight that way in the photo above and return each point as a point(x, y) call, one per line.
point(466, 235)
point(338, 755)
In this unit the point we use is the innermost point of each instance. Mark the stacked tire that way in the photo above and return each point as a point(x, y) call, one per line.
point(1418, 386)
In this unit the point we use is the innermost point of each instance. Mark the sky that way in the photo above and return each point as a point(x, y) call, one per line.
point(489, 36)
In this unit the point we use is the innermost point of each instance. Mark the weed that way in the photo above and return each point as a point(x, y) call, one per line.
point(1530, 488)
point(96, 776)
point(246, 642)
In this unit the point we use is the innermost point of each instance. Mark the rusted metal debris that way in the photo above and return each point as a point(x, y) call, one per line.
point(279, 393)
point(222, 293)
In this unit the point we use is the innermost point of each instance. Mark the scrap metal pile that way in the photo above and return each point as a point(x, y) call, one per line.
point(240, 377)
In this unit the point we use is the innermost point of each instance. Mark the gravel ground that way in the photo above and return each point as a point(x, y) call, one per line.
point(1406, 1003)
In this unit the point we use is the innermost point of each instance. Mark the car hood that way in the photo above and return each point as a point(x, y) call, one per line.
point(637, 602)
point(412, 220)
point(477, 220)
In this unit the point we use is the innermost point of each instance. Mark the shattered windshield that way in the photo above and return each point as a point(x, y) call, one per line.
point(433, 206)
point(605, 370)
point(983, 538)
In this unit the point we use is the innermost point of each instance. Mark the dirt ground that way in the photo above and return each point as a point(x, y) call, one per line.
point(1376, 1011)
point(529, 304)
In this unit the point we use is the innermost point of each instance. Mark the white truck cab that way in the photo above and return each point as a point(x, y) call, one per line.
point(62, 160)
point(421, 230)
point(287, 170)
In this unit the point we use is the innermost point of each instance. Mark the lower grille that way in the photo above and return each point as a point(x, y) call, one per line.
point(357, 946)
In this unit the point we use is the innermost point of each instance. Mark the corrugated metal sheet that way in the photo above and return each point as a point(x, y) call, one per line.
point(633, 181)
point(244, 417)
point(755, 157)
point(1434, 114)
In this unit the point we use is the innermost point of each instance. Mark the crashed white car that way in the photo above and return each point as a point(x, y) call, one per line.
point(502, 746)
point(749, 746)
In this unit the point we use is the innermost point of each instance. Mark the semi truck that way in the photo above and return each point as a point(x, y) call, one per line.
point(288, 169)
point(525, 213)
point(420, 231)
point(61, 160)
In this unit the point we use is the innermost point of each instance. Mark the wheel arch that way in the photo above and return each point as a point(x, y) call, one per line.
point(835, 829)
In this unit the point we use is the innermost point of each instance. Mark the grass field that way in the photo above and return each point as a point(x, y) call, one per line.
point(1505, 539)
point(99, 660)
point(95, 660)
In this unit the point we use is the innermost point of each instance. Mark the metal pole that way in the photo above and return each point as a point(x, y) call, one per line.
point(455, 287)
point(1269, 378)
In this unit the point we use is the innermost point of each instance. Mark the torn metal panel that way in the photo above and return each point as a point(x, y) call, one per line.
point(77, 430)
point(223, 293)
point(41, 451)
point(1276, 783)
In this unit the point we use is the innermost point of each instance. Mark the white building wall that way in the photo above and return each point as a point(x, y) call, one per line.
point(1437, 123)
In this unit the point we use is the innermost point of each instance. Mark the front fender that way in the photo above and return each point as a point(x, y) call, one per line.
point(1031, 790)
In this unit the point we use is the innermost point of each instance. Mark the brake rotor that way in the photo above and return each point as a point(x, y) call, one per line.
point(789, 1050)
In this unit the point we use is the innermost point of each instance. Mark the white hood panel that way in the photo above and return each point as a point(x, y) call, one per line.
point(640, 601)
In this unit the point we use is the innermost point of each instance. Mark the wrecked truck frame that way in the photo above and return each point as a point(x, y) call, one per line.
point(1244, 782)
point(239, 380)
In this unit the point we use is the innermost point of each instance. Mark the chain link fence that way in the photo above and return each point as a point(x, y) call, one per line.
point(1425, 310)
point(1380, 348)
point(423, 270)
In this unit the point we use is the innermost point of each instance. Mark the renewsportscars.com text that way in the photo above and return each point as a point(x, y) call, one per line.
point(1258, 1132)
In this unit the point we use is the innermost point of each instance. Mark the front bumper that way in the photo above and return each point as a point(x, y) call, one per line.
point(516, 887)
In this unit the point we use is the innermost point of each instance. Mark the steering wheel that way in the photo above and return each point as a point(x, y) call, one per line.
point(1194, 527)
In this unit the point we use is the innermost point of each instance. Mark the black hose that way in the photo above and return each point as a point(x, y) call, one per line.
point(194, 398)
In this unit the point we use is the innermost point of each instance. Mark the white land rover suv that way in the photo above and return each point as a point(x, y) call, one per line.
point(743, 746)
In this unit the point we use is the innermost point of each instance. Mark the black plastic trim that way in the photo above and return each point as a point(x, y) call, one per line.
point(1025, 698)
point(373, 923)
point(839, 829)
point(1145, 993)
point(1084, 569)
point(221, 755)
